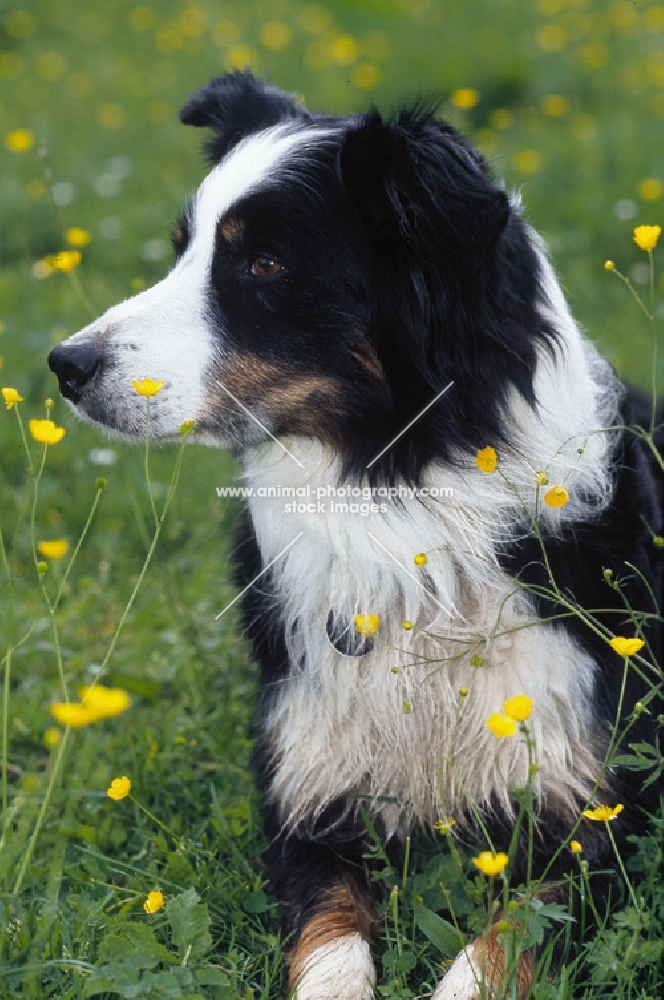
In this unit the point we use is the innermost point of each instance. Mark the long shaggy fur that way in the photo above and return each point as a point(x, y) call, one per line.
point(333, 276)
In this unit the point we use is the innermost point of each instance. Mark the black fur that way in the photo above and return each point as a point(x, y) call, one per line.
point(405, 268)
point(429, 261)
point(451, 284)
point(235, 106)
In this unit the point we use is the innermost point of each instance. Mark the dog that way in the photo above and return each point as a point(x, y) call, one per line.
point(360, 311)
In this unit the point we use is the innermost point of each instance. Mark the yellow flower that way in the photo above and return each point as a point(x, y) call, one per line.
point(20, 140)
point(11, 397)
point(464, 98)
point(119, 788)
point(154, 901)
point(501, 726)
point(147, 386)
point(367, 624)
point(575, 847)
point(104, 701)
point(490, 863)
point(557, 496)
point(486, 460)
point(70, 713)
point(96, 703)
point(46, 432)
point(646, 237)
point(528, 161)
point(65, 260)
point(52, 737)
point(555, 105)
point(651, 188)
point(77, 237)
point(420, 559)
point(541, 478)
point(626, 647)
point(407, 626)
point(54, 549)
point(187, 427)
point(609, 265)
point(518, 708)
point(444, 826)
point(602, 814)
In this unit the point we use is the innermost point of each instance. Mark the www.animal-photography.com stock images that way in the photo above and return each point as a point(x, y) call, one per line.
point(331, 499)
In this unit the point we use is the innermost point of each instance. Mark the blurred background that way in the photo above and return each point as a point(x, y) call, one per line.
point(565, 98)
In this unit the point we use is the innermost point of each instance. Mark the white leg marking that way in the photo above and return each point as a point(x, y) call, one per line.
point(338, 970)
point(461, 982)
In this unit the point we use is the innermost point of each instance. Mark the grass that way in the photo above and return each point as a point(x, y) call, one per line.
point(566, 98)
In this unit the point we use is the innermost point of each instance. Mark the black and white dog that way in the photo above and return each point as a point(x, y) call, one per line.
point(333, 277)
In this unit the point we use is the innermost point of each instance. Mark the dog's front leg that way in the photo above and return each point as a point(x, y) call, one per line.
point(323, 887)
point(480, 970)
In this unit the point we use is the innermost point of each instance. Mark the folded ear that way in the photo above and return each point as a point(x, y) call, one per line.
point(236, 105)
point(418, 185)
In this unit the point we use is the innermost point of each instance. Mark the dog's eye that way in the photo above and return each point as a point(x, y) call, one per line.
point(265, 267)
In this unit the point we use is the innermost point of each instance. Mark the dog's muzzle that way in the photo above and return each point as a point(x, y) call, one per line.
point(75, 365)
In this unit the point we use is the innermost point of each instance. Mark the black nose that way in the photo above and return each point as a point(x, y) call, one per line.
point(75, 365)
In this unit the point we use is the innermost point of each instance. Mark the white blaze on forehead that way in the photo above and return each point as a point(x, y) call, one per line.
point(245, 168)
point(164, 332)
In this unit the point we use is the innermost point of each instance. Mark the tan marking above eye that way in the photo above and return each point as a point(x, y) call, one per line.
point(265, 267)
point(232, 229)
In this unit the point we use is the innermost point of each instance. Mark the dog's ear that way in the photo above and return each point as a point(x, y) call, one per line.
point(420, 187)
point(236, 105)
point(446, 256)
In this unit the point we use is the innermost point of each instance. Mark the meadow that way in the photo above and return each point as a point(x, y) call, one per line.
point(566, 100)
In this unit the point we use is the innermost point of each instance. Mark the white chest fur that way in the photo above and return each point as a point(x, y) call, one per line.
point(391, 727)
point(404, 739)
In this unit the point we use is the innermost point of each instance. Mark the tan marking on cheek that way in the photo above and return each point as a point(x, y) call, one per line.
point(341, 912)
point(232, 229)
point(294, 399)
point(295, 403)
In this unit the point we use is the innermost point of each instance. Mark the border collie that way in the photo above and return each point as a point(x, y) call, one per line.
point(333, 277)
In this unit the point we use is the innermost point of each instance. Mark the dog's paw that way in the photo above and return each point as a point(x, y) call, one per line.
point(341, 969)
point(461, 981)
point(480, 970)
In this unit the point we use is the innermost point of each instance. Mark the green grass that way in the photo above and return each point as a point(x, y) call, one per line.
point(99, 85)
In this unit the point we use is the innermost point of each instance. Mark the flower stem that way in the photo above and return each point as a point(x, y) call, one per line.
point(57, 762)
point(55, 770)
point(653, 323)
point(621, 865)
point(177, 840)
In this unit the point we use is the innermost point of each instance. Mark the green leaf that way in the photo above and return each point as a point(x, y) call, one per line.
point(98, 982)
point(190, 925)
point(442, 934)
point(116, 979)
point(256, 902)
point(647, 953)
point(211, 976)
point(406, 961)
point(134, 944)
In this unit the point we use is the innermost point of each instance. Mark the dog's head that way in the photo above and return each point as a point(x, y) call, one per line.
point(331, 277)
